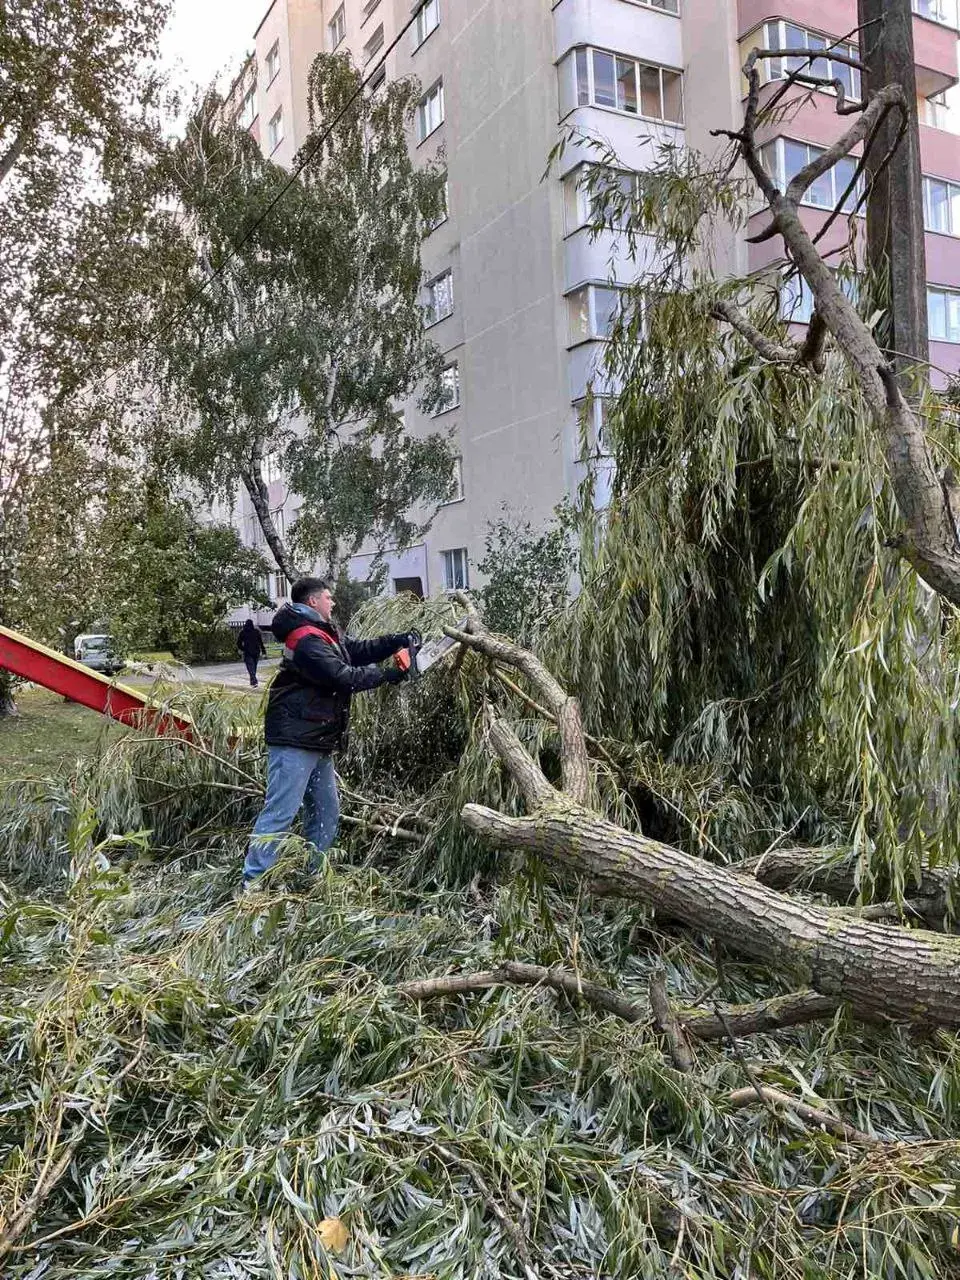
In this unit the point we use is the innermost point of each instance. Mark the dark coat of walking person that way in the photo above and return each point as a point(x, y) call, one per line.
point(250, 643)
point(307, 717)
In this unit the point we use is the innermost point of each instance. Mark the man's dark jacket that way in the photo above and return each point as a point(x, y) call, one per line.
point(309, 701)
point(250, 643)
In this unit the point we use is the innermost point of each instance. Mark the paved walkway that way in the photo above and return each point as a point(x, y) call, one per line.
point(232, 675)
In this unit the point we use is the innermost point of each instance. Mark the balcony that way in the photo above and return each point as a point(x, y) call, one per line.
point(945, 12)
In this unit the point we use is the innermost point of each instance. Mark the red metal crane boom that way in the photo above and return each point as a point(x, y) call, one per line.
point(33, 661)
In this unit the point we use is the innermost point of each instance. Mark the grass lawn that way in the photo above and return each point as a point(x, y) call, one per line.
point(47, 734)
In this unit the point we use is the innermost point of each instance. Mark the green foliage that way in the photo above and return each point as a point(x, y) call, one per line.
point(170, 581)
point(215, 1079)
point(528, 574)
point(314, 330)
point(742, 609)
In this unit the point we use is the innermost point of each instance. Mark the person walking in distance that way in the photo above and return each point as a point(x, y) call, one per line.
point(250, 643)
point(307, 718)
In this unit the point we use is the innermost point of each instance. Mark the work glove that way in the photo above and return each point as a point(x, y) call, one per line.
point(393, 675)
point(404, 639)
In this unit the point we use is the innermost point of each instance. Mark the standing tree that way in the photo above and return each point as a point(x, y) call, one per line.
point(78, 97)
point(309, 329)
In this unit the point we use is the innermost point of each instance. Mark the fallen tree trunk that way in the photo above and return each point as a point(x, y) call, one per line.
point(833, 873)
point(880, 970)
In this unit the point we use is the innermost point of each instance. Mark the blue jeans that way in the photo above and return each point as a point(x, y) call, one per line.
point(294, 777)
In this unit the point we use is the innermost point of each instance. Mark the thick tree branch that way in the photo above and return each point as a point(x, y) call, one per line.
point(744, 1020)
point(929, 542)
point(814, 1116)
point(574, 757)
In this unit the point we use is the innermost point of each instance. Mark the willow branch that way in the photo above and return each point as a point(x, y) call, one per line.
point(667, 1022)
point(810, 1115)
point(764, 346)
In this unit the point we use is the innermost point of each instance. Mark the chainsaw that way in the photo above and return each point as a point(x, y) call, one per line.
point(419, 657)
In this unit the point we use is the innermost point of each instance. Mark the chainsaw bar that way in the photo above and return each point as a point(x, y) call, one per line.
point(431, 653)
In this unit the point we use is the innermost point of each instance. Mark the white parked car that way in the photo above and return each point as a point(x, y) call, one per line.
point(99, 653)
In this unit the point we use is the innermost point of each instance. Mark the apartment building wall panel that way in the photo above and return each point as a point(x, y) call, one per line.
point(624, 28)
point(636, 143)
point(596, 258)
point(940, 153)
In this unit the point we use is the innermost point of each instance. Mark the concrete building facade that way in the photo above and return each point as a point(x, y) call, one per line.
point(519, 296)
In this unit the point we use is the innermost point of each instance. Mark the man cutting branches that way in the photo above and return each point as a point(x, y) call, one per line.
point(307, 718)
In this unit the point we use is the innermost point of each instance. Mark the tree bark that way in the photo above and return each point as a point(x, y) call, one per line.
point(929, 541)
point(882, 971)
point(895, 200)
point(833, 873)
point(256, 487)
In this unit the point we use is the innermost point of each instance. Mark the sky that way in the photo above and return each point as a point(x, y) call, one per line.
point(205, 37)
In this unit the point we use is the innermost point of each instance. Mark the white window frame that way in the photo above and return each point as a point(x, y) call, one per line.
point(431, 316)
point(456, 565)
point(795, 302)
point(580, 64)
point(775, 37)
point(943, 12)
point(778, 172)
point(578, 199)
point(454, 368)
point(591, 289)
point(373, 45)
point(421, 31)
point(952, 206)
point(591, 421)
point(275, 130)
point(337, 28)
point(248, 108)
point(456, 485)
point(272, 58)
point(430, 112)
point(438, 222)
point(951, 302)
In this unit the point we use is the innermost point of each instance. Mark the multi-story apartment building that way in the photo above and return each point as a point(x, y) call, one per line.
point(518, 295)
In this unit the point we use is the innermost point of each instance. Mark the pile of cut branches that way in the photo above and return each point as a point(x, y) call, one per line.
point(369, 1078)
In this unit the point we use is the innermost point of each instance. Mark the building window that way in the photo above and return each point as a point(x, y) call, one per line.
point(784, 158)
point(248, 108)
point(438, 299)
point(444, 212)
point(941, 206)
point(796, 296)
point(936, 112)
point(377, 79)
point(279, 522)
point(943, 11)
point(275, 129)
point(373, 45)
point(456, 483)
point(456, 573)
point(784, 35)
point(593, 311)
point(273, 63)
point(271, 468)
point(369, 8)
point(943, 314)
point(428, 19)
point(430, 112)
point(593, 416)
point(597, 195)
point(595, 77)
point(337, 28)
point(449, 390)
